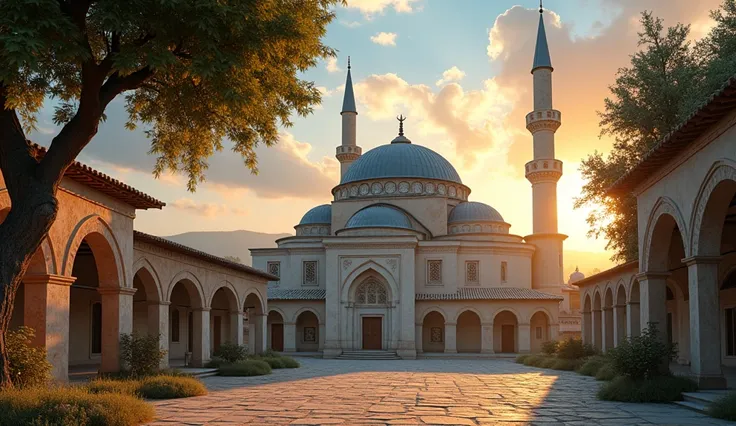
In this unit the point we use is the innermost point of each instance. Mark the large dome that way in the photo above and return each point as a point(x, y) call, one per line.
point(473, 211)
point(379, 216)
point(318, 215)
point(401, 160)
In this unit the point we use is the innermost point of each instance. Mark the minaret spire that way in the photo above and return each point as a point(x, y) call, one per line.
point(348, 151)
point(541, 51)
point(348, 101)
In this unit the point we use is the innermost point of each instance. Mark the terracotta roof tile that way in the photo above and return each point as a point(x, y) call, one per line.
point(296, 294)
point(492, 293)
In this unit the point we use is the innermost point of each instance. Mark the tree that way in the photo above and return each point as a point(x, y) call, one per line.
point(717, 51)
point(649, 99)
point(193, 71)
point(235, 259)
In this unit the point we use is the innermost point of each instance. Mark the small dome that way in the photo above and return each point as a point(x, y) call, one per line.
point(576, 276)
point(318, 216)
point(379, 216)
point(472, 211)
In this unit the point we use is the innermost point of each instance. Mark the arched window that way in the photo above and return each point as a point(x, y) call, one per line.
point(371, 292)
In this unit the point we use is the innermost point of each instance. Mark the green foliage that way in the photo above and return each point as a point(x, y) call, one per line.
point(28, 364)
point(574, 349)
point(644, 356)
point(566, 364)
point(215, 362)
point(250, 367)
point(592, 365)
point(533, 360)
point(141, 354)
point(119, 386)
point(231, 352)
point(725, 407)
point(717, 51)
point(71, 406)
point(521, 358)
point(155, 387)
point(606, 372)
point(550, 347)
point(656, 389)
point(547, 362)
point(278, 361)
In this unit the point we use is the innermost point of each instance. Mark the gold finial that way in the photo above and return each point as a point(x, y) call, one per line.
point(401, 119)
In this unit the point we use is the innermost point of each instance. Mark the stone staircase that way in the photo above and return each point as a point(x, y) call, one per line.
point(369, 355)
point(700, 401)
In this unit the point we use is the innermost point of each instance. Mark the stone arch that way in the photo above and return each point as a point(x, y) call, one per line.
point(633, 292)
point(621, 317)
point(467, 309)
point(656, 240)
point(145, 266)
point(620, 288)
point(540, 323)
point(710, 206)
point(307, 309)
point(307, 326)
point(543, 310)
point(587, 318)
point(98, 234)
point(468, 331)
point(516, 313)
point(505, 331)
point(608, 325)
point(43, 260)
point(193, 286)
point(232, 295)
point(278, 311)
point(432, 324)
point(261, 299)
point(430, 310)
point(352, 280)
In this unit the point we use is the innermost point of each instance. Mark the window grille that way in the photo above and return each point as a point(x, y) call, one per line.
point(434, 272)
point(472, 273)
point(310, 273)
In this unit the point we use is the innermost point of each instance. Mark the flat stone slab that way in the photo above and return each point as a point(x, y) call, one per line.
point(418, 392)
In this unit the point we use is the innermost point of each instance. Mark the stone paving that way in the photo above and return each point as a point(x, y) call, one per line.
point(436, 392)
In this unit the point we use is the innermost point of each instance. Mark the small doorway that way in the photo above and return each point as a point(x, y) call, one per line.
point(277, 337)
point(507, 338)
point(372, 333)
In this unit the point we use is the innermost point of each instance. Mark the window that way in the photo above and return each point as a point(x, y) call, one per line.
point(309, 273)
point(538, 331)
point(96, 328)
point(175, 325)
point(731, 332)
point(274, 268)
point(472, 272)
point(434, 272)
point(504, 271)
point(371, 292)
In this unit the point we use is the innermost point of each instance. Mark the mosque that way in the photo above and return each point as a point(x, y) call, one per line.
point(402, 262)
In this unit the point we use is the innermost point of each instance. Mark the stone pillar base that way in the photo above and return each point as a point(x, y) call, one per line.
point(710, 382)
point(407, 353)
point(331, 353)
point(450, 351)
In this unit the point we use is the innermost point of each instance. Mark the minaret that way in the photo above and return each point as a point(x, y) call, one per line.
point(543, 172)
point(348, 151)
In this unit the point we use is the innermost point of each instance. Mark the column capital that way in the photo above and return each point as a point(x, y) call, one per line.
point(608, 308)
point(290, 323)
point(52, 279)
point(117, 290)
point(694, 260)
point(652, 275)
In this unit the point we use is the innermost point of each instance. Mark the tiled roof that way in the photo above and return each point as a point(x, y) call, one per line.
point(492, 293)
point(163, 242)
point(713, 110)
point(634, 264)
point(296, 294)
point(86, 175)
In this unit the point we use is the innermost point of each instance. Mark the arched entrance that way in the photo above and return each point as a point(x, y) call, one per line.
point(307, 332)
point(468, 332)
point(505, 332)
point(275, 331)
point(608, 325)
point(587, 321)
point(597, 322)
point(372, 314)
point(224, 318)
point(433, 332)
point(255, 321)
point(620, 314)
point(187, 322)
point(540, 331)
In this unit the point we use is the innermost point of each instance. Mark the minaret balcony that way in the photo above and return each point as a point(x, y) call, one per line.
point(543, 170)
point(348, 152)
point(544, 119)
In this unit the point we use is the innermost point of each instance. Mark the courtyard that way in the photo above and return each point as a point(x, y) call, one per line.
point(426, 391)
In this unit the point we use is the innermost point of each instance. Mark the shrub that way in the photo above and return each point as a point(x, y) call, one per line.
point(165, 387)
point(250, 367)
point(521, 358)
point(655, 389)
point(574, 349)
point(215, 362)
point(724, 408)
point(549, 347)
point(566, 364)
point(275, 362)
point(644, 356)
point(606, 372)
point(547, 362)
point(28, 364)
point(269, 353)
point(591, 366)
point(532, 360)
point(123, 387)
point(290, 362)
point(141, 354)
point(231, 352)
point(71, 406)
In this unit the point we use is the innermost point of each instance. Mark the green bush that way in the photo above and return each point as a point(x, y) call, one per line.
point(290, 362)
point(141, 354)
point(606, 372)
point(71, 406)
point(532, 360)
point(215, 362)
point(521, 358)
point(574, 349)
point(274, 361)
point(231, 352)
point(166, 387)
point(547, 362)
point(269, 353)
point(655, 389)
point(120, 386)
point(724, 408)
point(549, 347)
point(644, 356)
point(28, 364)
point(591, 366)
point(250, 367)
point(566, 364)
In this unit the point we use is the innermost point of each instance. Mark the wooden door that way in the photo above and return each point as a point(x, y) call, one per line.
point(217, 326)
point(507, 339)
point(277, 337)
point(372, 333)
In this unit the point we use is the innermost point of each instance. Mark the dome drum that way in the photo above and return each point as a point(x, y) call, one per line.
point(401, 188)
point(317, 221)
point(474, 218)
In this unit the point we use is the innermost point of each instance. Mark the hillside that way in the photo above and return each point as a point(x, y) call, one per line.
point(228, 243)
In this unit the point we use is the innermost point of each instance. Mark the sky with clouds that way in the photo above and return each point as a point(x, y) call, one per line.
point(459, 70)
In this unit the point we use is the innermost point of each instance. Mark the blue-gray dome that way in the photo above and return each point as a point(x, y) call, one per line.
point(472, 211)
point(318, 215)
point(401, 160)
point(379, 216)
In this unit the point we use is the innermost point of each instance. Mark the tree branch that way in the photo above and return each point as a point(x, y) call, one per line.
point(16, 154)
point(116, 85)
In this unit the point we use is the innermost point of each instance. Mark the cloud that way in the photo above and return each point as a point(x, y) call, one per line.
point(206, 209)
point(384, 39)
point(450, 75)
point(371, 7)
point(351, 24)
point(332, 65)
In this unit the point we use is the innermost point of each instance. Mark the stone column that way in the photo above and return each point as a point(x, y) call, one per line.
point(653, 296)
point(619, 319)
point(321, 337)
point(705, 322)
point(607, 326)
point(252, 334)
point(117, 319)
point(46, 311)
point(289, 337)
point(525, 339)
point(262, 335)
point(418, 336)
point(201, 349)
point(450, 338)
point(486, 337)
point(633, 325)
point(236, 327)
point(158, 325)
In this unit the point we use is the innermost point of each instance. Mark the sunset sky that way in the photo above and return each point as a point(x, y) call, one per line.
point(459, 70)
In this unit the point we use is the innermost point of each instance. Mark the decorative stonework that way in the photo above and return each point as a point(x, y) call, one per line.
point(549, 119)
point(398, 188)
point(480, 227)
point(663, 206)
point(371, 292)
point(346, 263)
point(543, 171)
point(312, 230)
point(392, 263)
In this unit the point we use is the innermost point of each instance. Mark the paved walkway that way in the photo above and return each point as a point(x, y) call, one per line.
point(437, 392)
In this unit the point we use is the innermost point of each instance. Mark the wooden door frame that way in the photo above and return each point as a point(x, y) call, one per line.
point(383, 325)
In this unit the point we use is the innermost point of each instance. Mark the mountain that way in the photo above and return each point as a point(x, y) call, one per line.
point(228, 243)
